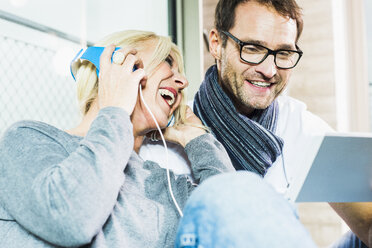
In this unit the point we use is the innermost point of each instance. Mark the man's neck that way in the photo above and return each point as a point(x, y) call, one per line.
point(242, 109)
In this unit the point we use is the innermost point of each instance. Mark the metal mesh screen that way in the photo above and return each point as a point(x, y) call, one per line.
point(31, 89)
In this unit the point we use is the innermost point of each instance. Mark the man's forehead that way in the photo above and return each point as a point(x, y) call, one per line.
point(254, 21)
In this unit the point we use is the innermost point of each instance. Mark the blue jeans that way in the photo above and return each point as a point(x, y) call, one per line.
point(239, 210)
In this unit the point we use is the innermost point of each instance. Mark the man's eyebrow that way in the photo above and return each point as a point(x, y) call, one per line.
point(262, 43)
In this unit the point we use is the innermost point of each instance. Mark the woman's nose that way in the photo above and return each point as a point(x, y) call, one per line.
point(181, 81)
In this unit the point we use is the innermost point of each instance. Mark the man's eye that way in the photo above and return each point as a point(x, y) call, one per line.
point(169, 60)
point(283, 54)
point(253, 49)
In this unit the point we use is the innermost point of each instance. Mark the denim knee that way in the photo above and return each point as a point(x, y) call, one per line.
point(239, 210)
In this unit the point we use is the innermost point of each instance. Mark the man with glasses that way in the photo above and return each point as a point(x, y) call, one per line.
point(254, 43)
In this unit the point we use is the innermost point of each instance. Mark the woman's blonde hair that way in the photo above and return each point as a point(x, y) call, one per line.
point(86, 77)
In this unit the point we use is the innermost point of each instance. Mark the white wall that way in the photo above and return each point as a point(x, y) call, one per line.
point(105, 17)
point(102, 16)
point(368, 11)
point(61, 15)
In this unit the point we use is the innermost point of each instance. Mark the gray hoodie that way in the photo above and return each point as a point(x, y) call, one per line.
point(62, 190)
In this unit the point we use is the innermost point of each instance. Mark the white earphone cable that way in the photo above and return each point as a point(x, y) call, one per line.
point(166, 152)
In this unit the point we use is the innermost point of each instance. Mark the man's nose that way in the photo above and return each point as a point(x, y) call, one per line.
point(267, 68)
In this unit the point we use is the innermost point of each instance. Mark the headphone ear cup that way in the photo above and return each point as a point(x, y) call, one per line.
point(171, 121)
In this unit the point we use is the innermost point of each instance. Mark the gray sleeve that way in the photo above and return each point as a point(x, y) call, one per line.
point(62, 197)
point(208, 157)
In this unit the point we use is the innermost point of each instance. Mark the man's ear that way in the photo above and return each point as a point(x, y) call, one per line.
point(215, 44)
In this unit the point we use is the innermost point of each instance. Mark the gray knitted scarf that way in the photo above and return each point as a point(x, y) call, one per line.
point(250, 142)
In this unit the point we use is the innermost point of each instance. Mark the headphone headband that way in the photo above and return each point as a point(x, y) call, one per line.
point(92, 54)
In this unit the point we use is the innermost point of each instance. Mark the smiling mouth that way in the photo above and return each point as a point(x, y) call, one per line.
point(168, 96)
point(259, 84)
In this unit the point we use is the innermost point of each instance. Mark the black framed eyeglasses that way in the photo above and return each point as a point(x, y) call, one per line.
point(256, 54)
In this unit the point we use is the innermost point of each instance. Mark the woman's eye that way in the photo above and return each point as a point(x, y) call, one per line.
point(169, 60)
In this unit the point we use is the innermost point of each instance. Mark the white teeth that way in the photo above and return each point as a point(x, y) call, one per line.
point(260, 84)
point(165, 92)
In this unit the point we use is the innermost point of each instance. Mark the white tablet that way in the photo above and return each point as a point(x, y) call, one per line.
point(335, 168)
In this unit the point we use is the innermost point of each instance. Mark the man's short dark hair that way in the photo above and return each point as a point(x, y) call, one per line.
point(225, 14)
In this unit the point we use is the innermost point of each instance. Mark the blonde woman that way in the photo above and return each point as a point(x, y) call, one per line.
point(88, 186)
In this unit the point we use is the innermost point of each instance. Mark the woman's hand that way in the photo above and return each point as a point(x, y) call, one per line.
point(118, 84)
point(183, 134)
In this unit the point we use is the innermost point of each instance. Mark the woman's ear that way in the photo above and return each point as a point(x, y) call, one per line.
point(215, 44)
